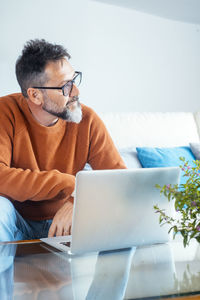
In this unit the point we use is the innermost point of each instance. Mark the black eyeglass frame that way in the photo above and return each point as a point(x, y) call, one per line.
point(77, 73)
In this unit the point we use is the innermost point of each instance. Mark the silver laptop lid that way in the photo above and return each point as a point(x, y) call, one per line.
point(113, 209)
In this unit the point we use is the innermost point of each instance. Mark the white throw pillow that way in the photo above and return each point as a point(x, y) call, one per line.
point(195, 148)
point(130, 157)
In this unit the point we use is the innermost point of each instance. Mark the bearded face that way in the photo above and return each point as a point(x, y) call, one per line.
point(71, 112)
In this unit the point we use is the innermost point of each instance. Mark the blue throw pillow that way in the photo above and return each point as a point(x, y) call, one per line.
point(165, 157)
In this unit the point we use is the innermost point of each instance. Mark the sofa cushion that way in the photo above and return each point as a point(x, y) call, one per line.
point(130, 157)
point(165, 157)
point(195, 147)
point(151, 129)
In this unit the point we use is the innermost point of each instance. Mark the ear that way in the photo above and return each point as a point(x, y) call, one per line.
point(35, 96)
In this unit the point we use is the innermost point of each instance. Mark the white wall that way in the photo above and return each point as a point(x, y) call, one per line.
point(131, 61)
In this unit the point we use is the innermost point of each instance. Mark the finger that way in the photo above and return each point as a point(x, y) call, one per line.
point(52, 230)
point(70, 229)
point(59, 231)
point(67, 230)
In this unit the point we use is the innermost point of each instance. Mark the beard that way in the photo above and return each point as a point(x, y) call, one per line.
point(66, 114)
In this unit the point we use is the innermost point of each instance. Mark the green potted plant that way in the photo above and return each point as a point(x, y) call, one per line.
point(187, 204)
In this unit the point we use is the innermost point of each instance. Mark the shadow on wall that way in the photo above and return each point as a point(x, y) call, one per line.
point(179, 10)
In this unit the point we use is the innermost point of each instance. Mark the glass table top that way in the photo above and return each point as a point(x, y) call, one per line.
point(37, 271)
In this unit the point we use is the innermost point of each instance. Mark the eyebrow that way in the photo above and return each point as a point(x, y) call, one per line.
point(65, 81)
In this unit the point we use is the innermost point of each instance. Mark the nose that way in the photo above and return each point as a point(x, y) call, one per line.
point(74, 91)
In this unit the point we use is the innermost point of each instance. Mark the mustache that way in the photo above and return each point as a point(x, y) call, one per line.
point(74, 99)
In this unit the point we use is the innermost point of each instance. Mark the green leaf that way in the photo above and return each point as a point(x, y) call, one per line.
point(158, 186)
point(198, 238)
point(185, 239)
point(193, 234)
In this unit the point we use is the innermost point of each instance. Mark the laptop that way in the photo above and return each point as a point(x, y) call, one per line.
point(113, 209)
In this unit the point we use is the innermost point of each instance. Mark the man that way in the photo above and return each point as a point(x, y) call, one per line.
point(46, 137)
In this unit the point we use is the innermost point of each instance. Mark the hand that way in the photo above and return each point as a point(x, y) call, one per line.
point(62, 221)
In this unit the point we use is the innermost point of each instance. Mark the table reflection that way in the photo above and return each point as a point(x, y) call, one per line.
point(111, 275)
point(152, 272)
point(42, 276)
point(39, 272)
point(7, 254)
point(164, 269)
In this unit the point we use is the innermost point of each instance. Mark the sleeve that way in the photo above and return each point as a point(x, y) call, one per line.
point(102, 151)
point(22, 185)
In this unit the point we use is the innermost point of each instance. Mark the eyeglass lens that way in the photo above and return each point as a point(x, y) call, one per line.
point(68, 86)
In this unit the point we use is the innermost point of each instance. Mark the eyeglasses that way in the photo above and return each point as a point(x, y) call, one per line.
point(67, 87)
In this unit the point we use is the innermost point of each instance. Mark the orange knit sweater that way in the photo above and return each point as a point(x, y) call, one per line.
point(38, 164)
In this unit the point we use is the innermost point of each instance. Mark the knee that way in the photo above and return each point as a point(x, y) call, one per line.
point(7, 209)
point(7, 220)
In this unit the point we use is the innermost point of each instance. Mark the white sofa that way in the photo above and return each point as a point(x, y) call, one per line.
point(147, 129)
